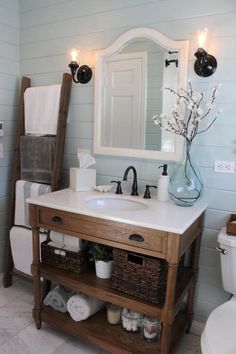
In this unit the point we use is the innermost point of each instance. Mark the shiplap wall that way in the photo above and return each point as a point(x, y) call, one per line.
point(9, 73)
point(50, 27)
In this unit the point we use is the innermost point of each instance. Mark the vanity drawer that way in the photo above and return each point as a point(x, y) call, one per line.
point(116, 234)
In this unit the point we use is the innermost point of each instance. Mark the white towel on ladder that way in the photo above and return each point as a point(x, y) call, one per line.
point(21, 246)
point(24, 190)
point(41, 109)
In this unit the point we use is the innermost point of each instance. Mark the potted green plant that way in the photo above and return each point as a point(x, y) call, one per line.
point(102, 256)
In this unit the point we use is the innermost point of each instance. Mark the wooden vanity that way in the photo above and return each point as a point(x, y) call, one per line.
point(73, 218)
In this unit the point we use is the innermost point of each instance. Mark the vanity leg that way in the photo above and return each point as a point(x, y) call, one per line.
point(194, 265)
point(36, 278)
point(167, 310)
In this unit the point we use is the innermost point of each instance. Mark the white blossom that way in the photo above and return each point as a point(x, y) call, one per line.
point(191, 103)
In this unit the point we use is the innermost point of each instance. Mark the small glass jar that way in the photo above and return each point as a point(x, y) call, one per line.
point(130, 320)
point(113, 314)
point(150, 329)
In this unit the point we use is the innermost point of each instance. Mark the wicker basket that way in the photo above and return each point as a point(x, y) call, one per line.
point(231, 225)
point(64, 259)
point(141, 276)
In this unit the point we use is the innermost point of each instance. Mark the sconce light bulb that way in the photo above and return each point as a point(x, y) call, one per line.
point(74, 53)
point(202, 37)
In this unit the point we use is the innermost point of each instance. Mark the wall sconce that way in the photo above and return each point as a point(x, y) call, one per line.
point(81, 73)
point(206, 64)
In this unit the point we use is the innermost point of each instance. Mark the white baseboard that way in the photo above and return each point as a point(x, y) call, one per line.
point(197, 327)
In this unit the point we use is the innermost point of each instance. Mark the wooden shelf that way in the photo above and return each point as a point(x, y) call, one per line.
point(114, 339)
point(176, 317)
point(88, 283)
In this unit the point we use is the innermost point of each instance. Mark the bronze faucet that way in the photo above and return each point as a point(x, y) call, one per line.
point(135, 184)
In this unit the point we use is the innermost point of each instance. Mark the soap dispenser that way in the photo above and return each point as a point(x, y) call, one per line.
point(163, 184)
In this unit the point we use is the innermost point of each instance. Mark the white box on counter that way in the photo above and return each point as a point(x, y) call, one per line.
point(82, 179)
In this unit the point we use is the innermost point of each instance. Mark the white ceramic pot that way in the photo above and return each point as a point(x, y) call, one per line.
point(103, 269)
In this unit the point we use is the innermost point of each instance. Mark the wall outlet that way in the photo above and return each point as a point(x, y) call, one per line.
point(1, 150)
point(224, 166)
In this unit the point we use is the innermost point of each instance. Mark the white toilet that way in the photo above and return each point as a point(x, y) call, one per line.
point(219, 335)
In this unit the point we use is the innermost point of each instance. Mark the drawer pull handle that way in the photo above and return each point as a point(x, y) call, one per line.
point(136, 237)
point(57, 220)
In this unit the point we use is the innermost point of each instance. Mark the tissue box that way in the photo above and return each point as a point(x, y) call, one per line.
point(82, 179)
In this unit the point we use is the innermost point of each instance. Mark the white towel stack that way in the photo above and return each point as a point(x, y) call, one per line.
point(81, 306)
point(66, 242)
point(24, 190)
point(41, 109)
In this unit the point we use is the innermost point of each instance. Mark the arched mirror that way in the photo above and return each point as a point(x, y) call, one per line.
point(129, 77)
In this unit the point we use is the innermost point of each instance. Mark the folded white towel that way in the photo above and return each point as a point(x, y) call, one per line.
point(41, 109)
point(56, 237)
point(70, 241)
point(58, 245)
point(81, 306)
point(71, 249)
point(57, 298)
point(24, 190)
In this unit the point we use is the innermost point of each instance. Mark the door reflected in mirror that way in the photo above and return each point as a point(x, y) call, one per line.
point(133, 94)
point(130, 75)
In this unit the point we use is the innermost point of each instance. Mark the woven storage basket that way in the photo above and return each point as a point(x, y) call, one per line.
point(141, 276)
point(64, 259)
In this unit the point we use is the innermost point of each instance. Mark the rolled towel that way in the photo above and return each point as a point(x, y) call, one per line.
point(81, 306)
point(57, 298)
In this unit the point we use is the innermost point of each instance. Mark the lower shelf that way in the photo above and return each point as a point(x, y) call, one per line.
point(114, 339)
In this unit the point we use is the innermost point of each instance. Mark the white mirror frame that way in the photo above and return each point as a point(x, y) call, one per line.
point(101, 57)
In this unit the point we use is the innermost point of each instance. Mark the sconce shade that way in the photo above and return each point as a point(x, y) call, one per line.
point(206, 64)
point(80, 74)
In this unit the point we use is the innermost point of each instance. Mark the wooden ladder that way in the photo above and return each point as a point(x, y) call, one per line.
point(57, 164)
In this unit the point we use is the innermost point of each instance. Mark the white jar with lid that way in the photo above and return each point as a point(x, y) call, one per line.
point(130, 320)
point(150, 328)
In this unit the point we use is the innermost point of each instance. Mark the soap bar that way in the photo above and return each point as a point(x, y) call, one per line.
point(82, 179)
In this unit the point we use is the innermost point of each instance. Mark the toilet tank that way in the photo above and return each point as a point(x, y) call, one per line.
point(228, 261)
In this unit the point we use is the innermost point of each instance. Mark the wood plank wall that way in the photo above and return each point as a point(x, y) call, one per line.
point(9, 75)
point(50, 27)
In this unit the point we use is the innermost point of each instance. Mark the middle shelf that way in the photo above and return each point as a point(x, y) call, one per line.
point(88, 283)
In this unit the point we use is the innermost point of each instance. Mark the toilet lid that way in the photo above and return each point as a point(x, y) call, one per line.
point(220, 329)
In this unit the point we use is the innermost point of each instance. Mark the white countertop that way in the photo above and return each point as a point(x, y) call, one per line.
point(164, 216)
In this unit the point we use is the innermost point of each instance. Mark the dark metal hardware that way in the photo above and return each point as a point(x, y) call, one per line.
point(82, 74)
point(222, 250)
point(147, 194)
point(205, 64)
point(118, 188)
point(57, 220)
point(136, 237)
point(135, 183)
point(168, 62)
point(173, 52)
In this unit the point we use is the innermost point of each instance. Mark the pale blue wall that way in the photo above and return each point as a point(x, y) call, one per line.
point(9, 73)
point(50, 27)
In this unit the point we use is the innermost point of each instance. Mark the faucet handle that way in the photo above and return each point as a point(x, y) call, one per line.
point(118, 188)
point(147, 194)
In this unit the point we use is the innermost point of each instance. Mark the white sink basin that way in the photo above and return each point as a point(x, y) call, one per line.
point(112, 203)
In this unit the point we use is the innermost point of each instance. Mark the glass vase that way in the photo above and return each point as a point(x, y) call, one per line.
point(186, 185)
